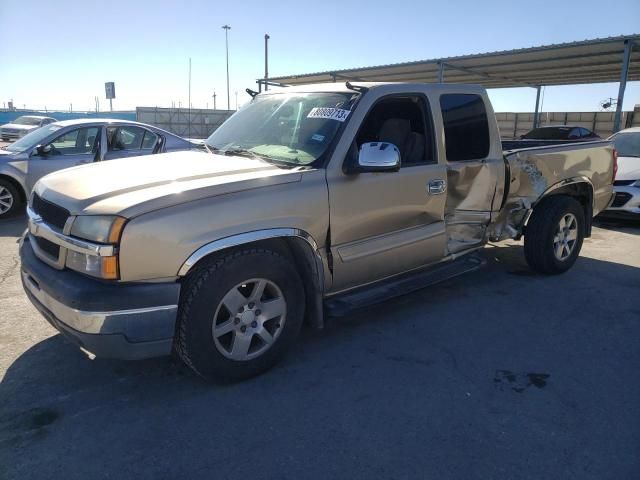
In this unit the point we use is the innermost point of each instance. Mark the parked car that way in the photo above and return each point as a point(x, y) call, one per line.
point(626, 203)
point(551, 135)
point(74, 142)
point(23, 125)
point(313, 200)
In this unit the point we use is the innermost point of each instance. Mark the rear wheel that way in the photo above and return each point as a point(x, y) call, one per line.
point(554, 235)
point(239, 314)
point(9, 199)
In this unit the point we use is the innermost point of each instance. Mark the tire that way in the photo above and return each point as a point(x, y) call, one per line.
point(209, 295)
point(10, 200)
point(544, 241)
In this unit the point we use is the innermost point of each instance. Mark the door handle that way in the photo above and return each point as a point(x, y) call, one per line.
point(436, 187)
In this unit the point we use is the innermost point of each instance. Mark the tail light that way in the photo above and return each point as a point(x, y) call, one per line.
point(614, 154)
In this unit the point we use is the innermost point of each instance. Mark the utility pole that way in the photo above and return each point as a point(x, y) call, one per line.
point(189, 117)
point(214, 100)
point(266, 61)
point(236, 100)
point(226, 42)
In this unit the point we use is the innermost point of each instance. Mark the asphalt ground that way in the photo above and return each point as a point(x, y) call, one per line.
point(498, 374)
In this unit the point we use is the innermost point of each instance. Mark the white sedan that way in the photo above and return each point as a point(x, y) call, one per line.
point(626, 202)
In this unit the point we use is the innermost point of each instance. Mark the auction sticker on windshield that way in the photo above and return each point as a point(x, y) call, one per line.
point(333, 113)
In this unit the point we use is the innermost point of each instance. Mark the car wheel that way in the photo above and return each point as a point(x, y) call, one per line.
point(239, 314)
point(9, 199)
point(554, 235)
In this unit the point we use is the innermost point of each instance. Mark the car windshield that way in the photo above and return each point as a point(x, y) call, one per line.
point(27, 121)
point(560, 133)
point(627, 144)
point(287, 128)
point(32, 139)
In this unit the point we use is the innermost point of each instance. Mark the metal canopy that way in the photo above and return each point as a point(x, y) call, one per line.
point(611, 59)
point(588, 61)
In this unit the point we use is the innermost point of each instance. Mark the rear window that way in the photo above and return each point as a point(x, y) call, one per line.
point(548, 133)
point(466, 127)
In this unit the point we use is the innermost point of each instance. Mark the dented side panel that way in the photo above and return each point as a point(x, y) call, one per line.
point(538, 172)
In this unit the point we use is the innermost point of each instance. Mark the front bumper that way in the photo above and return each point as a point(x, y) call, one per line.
point(626, 202)
point(13, 135)
point(113, 320)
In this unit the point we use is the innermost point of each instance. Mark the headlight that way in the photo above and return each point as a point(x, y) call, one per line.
point(101, 229)
point(636, 184)
point(98, 228)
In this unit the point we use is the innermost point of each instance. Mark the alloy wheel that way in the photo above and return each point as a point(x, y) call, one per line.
point(249, 319)
point(565, 237)
point(6, 200)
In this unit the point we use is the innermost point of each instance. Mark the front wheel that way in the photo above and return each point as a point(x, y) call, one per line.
point(554, 235)
point(239, 314)
point(9, 199)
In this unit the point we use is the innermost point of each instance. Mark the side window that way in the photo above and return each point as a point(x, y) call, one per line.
point(125, 138)
point(574, 133)
point(400, 120)
point(466, 127)
point(584, 133)
point(76, 142)
point(149, 140)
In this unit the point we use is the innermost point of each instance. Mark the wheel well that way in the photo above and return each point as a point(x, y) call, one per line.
point(583, 193)
point(16, 184)
point(303, 257)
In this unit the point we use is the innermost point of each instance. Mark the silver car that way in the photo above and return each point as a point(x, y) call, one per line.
point(74, 142)
point(626, 203)
point(23, 125)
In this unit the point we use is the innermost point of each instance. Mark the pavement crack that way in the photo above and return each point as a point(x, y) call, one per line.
point(4, 276)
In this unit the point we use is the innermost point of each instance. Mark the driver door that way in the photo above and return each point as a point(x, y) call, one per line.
point(387, 223)
point(71, 148)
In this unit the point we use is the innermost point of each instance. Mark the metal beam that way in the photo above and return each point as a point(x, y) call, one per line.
point(536, 113)
point(624, 72)
point(485, 75)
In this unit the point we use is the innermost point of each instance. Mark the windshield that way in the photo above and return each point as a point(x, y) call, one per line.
point(27, 121)
point(627, 144)
point(548, 134)
point(32, 139)
point(290, 128)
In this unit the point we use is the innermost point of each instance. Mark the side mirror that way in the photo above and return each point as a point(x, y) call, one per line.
point(43, 149)
point(378, 157)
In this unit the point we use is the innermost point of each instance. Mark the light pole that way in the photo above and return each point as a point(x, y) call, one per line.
point(266, 61)
point(226, 43)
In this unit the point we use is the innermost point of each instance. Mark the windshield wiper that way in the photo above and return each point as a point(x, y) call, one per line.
point(240, 152)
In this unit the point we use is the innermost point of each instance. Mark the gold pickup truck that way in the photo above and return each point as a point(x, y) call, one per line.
point(310, 201)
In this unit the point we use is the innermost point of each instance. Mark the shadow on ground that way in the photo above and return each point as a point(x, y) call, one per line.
point(497, 374)
point(13, 226)
point(629, 226)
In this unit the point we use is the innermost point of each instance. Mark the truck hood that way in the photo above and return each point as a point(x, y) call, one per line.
point(628, 168)
point(133, 186)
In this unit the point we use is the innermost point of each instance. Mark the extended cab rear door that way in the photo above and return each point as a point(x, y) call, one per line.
point(386, 223)
point(474, 161)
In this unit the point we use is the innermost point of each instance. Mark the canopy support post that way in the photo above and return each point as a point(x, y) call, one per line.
point(624, 73)
point(537, 111)
point(440, 72)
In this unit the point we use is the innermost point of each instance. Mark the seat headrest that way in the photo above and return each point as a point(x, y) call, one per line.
point(396, 131)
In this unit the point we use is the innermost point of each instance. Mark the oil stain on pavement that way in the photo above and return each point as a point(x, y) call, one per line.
point(519, 382)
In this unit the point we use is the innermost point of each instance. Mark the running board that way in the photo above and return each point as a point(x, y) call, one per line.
point(384, 290)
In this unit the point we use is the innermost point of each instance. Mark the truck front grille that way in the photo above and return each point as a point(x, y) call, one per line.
point(48, 247)
point(50, 212)
point(620, 199)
